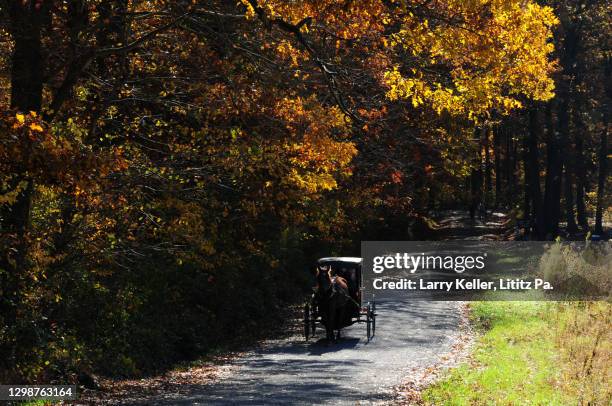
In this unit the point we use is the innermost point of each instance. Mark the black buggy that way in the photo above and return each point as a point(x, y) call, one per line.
point(337, 300)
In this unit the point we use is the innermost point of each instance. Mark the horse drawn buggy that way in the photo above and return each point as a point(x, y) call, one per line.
point(337, 300)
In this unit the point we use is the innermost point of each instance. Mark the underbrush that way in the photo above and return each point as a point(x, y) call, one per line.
point(153, 320)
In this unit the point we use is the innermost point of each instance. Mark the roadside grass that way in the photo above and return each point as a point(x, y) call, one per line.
point(533, 353)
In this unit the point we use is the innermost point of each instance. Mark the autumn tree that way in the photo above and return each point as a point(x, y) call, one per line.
point(158, 155)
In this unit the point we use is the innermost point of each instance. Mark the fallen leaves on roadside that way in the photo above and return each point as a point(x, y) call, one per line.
point(409, 392)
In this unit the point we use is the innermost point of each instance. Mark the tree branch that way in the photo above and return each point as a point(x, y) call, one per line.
point(295, 29)
point(80, 63)
point(134, 44)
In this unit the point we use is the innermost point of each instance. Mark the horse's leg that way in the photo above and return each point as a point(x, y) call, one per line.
point(329, 327)
point(341, 317)
point(333, 319)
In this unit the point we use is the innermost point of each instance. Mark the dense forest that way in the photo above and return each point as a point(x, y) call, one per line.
point(170, 169)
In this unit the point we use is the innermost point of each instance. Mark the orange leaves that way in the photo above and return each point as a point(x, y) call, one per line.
point(348, 20)
point(316, 153)
point(30, 120)
point(36, 127)
point(397, 176)
point(54, 156)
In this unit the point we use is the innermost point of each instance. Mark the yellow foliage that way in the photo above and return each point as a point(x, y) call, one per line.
point(316, 155)
point(493, 58)
point(36, 127)
point(10, 196)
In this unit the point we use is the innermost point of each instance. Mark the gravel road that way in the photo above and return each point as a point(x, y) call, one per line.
point(410, 337)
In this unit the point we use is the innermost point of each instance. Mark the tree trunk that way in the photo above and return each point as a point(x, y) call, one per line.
point(510, 163)
point(476, 176)
point(552, 194)
point(568, 61)
point(26, 96)
point(603, 150)
point(581, 214)
point(566, 158)
point(601, 181)
point(579, 163)
point(498, 167)
point(508, 167)
point(487, 152)
point(526, 182)
point(533, 167)
point(26, 19)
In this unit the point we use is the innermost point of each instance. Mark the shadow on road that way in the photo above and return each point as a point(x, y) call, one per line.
point(323, 346)
point(292, 371)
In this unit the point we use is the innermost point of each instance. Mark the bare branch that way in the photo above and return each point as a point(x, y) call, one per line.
point(134, 44)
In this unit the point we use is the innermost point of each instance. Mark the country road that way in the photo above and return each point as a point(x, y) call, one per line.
point(411, 336)
point(291, 371)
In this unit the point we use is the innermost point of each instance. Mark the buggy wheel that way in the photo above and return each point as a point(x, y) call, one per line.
point(368, 321)
point(313, 321)
point(373, 319)
point(307, 322)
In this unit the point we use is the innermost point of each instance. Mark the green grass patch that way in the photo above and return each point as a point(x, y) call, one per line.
point(524, 357)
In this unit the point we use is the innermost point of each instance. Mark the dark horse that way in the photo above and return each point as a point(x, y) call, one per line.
point(333, 301)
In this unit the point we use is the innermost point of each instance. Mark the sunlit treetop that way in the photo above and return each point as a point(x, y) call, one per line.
point(466, 58)
point(473, 56)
